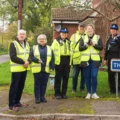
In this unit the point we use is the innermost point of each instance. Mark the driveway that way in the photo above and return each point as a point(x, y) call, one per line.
point(4, 58)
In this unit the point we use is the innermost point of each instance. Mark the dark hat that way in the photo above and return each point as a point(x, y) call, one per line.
point(64, 30)
point(114, 26)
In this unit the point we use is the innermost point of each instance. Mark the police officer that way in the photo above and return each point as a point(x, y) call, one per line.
point(61, 49)
point(76, 54)
point(42, 64)
point(90, 60)
point(19, 62)
point(112, 51)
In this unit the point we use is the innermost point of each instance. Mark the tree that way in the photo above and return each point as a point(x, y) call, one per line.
point(36, 14)
point(11, 32)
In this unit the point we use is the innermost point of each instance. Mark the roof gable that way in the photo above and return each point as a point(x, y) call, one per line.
point(68, 14)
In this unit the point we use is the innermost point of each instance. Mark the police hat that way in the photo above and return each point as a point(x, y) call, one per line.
point(64, 30)
point(114, 26)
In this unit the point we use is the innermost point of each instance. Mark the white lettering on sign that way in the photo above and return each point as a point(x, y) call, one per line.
point(116, 64)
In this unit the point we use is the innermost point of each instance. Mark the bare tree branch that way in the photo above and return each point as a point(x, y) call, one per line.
point(106, 16)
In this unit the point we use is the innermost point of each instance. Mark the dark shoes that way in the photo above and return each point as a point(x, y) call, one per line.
point(64, 97)
point(20, 105)
point(14, 108)
point(37, 101)
point(60, 97)
point(43, 100)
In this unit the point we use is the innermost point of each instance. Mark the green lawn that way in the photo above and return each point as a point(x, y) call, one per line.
point(103, 90)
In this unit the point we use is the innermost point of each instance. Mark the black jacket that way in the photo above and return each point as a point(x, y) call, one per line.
point(13, 54)
point(83, 47)
point(112, 49)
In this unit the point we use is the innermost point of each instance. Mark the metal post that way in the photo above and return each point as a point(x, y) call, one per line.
point(20, 4)
point(116, 84)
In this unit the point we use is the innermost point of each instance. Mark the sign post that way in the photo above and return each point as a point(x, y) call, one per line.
point(52, 80)
point(115, 67)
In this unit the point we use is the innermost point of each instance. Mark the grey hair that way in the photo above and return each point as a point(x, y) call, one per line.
point(42, 35)
point(81, 25)
point(21, 31)
point(91, 26)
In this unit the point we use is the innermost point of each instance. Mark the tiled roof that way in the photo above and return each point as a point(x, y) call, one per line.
point(68, 14)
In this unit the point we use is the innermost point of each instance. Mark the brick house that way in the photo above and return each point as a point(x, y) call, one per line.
point(70, 19)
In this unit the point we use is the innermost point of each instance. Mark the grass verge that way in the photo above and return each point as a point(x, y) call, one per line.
point(102, 90)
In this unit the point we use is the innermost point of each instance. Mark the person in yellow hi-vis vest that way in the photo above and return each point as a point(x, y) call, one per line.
point(42, 64)
point(19, 63)
point(76, 54)
point(90, 60)
point(61, 50)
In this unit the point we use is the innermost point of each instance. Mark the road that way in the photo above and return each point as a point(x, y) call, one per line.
point(4, 58)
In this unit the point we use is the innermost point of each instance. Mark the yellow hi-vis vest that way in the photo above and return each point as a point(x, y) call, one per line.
point(90, 51)
point(36, 67)
point(76, 54)
point(74, 39)
point(60, 50)
point(22, 53)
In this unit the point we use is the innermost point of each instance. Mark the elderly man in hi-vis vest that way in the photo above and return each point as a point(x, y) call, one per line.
point(19, 63)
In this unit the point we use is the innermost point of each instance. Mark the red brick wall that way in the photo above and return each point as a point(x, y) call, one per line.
point(95, 3)
point(102, 25)
point(71, 27)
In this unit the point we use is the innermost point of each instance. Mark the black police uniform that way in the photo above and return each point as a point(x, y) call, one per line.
point(62, 74)
point(62, 70)
point(112, 51)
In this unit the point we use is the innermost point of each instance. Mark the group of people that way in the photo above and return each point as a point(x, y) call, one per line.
point(81, 51)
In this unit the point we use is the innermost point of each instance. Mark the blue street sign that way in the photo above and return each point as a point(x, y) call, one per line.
point(115, 65)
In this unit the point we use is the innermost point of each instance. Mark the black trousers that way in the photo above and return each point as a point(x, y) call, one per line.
point(111, 78)
point(16, 87)
point(61, 77)
point(40, 84)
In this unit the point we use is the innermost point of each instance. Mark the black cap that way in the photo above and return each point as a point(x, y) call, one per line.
point(114, 26)
point(64, 30)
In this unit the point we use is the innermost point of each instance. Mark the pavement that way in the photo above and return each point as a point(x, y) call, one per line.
point(65, 109)
point(4, 58)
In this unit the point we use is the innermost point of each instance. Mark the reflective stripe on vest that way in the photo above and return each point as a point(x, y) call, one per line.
point(76, 54)
point(59, 50)
point(74, 39)
point(65, 48)
point(22, 53)
point(90, 51)
point(36, 67)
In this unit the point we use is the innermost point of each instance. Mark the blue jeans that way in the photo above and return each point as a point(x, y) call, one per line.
point(76, 70)
point(40, 84)
point(91, 73)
